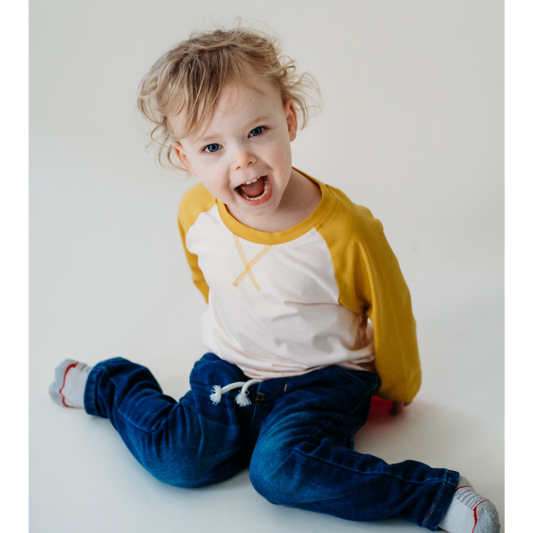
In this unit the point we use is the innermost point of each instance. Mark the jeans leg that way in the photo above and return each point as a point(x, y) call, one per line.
point(189, 443)
point(303, 456)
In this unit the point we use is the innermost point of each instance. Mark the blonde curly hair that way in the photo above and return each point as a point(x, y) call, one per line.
point(190, 77)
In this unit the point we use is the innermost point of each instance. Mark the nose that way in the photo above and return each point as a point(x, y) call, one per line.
point(243, 158)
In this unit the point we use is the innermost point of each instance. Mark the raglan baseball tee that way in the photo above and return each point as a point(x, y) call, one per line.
point(328, 291)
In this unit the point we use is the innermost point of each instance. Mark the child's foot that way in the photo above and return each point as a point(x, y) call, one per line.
point(469, 512)
point(69, 387)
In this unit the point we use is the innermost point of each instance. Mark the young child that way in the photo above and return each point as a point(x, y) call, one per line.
point(292, 272)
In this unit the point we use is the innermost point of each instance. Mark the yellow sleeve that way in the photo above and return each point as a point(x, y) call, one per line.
point(371, 284)
point(195, 201)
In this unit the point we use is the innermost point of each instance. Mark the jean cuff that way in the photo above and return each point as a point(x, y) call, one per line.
point(89, 399)
point(443, 501)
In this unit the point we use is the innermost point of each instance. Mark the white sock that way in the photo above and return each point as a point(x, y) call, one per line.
point(69, 387)
point(469, 512)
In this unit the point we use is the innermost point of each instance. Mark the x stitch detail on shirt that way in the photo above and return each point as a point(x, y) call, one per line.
point(248, 265)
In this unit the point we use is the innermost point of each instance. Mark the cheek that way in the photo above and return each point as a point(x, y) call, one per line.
point(280, 151)
point(217, 187)
point(284, 155)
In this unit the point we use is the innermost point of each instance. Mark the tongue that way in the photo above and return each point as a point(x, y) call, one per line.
point(254, 189)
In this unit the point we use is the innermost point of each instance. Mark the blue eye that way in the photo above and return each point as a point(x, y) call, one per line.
point(212, 148)
point(257, 131)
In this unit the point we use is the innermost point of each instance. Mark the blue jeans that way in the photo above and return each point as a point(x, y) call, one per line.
point(296, 438)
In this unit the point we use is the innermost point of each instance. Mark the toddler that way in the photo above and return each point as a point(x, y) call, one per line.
point(308, 315)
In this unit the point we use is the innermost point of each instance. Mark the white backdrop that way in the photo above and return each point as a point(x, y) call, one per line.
point(412, 127)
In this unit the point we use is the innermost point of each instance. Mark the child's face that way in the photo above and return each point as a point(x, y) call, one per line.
point(248, 139)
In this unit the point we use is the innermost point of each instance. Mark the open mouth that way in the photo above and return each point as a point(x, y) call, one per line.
point(254, 189)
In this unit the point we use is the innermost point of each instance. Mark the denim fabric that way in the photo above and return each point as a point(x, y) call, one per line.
point(295, 438)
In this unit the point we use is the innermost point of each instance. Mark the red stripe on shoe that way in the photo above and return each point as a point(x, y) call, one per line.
point(475, 514)
point(73, 365)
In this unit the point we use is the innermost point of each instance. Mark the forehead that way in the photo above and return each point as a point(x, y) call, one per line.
point(236, 98)
point(240, 103)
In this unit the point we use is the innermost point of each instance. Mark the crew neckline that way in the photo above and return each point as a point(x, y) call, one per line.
point(279, 237)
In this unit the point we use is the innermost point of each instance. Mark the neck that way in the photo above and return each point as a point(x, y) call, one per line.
point(300, 199)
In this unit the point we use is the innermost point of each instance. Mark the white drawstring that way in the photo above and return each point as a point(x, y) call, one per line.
point(241, 399)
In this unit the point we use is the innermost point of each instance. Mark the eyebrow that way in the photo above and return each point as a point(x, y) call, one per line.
point(206, 138)
point(259, 119)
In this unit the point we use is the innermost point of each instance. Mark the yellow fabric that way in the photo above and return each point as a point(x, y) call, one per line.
point(371, 284)
point(366, 270)
point(195, 201)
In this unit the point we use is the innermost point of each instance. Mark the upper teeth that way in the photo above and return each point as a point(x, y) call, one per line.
point(250, 182)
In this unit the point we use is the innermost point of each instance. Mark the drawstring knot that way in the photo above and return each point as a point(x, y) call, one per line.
point(241, 399)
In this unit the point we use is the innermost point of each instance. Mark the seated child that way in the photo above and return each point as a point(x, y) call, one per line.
point(308, 315)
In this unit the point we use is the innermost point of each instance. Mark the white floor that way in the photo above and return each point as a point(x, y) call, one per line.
point(412, 128)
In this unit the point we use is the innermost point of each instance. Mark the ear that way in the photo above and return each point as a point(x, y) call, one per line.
point(180, 152)
point(292, 119)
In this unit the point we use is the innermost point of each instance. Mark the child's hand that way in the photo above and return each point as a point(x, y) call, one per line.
point(397, 407)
